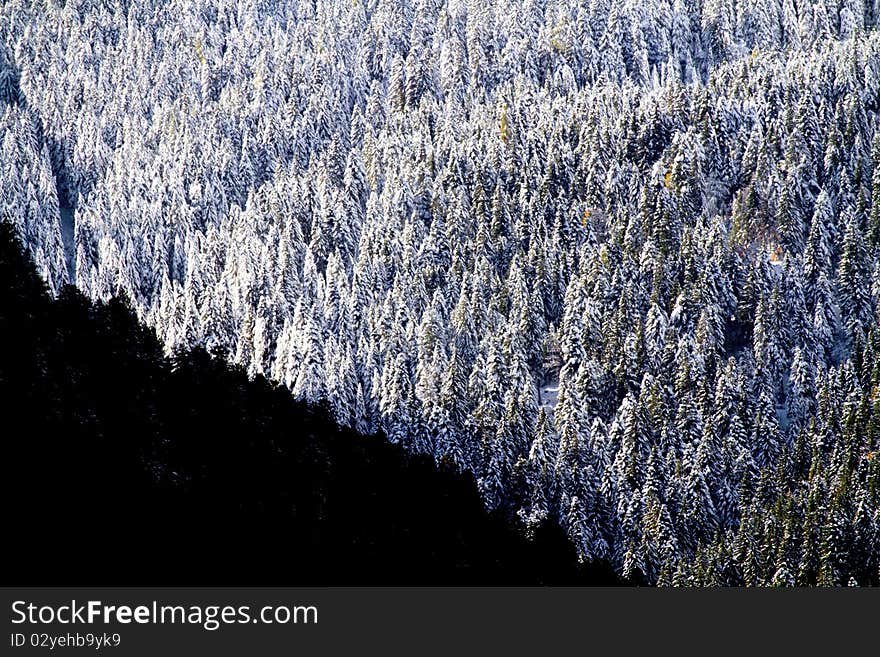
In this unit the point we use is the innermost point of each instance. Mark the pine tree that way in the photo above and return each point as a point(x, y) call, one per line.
point(852, 280)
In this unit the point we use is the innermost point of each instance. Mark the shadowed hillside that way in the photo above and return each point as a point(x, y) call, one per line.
point(132, 468)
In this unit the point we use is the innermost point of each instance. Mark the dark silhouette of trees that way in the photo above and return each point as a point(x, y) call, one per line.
point(122, 465)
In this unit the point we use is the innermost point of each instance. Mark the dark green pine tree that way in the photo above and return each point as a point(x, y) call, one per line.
point(853, 278)
point(873, 235)
point(789, 221)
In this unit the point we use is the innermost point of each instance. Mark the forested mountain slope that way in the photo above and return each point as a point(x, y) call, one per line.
point(420, 212)
point(129, 466)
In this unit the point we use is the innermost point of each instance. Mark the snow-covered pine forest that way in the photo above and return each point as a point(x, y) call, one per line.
point(428, 213)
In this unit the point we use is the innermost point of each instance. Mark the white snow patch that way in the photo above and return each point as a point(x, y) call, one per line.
point(67, 238)
point(549, 394)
